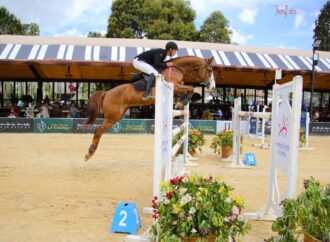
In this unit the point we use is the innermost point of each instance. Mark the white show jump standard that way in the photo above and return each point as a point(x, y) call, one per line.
point(236, 123)
point(263, 145)
point(164, 153)
point(286, 113)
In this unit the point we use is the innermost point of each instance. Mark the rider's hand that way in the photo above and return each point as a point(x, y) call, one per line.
point(169, 64)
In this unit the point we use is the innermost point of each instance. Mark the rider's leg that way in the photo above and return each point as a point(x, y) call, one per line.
point(148, 69)
point(150, 82)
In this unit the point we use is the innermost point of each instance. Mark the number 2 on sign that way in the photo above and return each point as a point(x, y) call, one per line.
point(122, 221)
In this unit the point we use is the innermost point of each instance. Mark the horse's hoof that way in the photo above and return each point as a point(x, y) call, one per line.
point(87, 156)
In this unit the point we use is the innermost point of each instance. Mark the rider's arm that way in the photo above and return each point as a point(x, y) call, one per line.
point(158, 61)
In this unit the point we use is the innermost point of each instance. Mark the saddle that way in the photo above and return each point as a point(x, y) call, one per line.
point(139, 81)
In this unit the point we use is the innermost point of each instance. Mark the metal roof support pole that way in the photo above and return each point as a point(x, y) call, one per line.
point(1, 94)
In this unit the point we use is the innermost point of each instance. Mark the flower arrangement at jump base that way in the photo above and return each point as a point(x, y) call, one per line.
point(197, 208)
point(306, 216)
point(223, 143)
point(195, 140)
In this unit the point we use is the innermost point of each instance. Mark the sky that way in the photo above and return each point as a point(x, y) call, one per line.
point(263, 23)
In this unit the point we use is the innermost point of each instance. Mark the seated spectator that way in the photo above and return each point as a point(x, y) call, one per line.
point(44, 111)
point(15, 111)
point(206, 115)
point(46, 100)
point(74, 110)
point(56, 109)
point(82, 109)
point(219, 114)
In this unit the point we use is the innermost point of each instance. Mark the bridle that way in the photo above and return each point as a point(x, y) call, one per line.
point(188, 73)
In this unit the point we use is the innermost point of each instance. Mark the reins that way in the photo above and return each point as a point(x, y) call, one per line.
point(185, 72)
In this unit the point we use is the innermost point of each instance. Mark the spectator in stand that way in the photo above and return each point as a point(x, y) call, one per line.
point(206, 114)
point(44, 111)
point(219, 114)
point(56, 109)
point(15, 111)
point(74, 110)
point(46, 100)
point(82, 108)
point(316, 116)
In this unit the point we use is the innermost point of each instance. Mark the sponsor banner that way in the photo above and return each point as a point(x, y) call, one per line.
point(224, 125)
point(129, 126)
point(79, 127)
point(268, 127)
point(303, 120)
point(151, 125)
point(205, 127)
point(253, 125)
point(317, 128)
point(52, 125)
point(16, 125)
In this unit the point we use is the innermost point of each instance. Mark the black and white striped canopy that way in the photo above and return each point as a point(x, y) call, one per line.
point(126, 54)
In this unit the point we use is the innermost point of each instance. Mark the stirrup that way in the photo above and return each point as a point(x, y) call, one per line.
point(147, 97)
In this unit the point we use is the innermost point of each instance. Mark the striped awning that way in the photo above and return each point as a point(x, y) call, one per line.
point(95, 53)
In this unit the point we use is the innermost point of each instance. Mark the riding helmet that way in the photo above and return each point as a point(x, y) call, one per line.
point(171, 45)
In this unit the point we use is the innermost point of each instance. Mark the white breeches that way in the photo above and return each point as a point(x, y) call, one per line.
point(144, 67)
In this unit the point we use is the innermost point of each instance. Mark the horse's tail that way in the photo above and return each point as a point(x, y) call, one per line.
point(94, 106)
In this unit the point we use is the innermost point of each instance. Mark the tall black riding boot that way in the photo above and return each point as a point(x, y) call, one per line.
point(150, 83)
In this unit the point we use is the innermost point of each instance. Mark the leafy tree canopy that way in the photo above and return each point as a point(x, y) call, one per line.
point(322, 28)
point(11, 25)
point(215, 29)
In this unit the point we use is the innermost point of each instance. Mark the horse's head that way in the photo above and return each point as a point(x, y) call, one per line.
point(206, 74)
point(196, 69)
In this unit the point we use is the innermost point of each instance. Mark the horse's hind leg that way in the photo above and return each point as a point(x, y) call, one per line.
point(97, 135)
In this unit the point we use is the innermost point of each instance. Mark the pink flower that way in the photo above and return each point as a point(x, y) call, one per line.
point(181, 214)
point(227, 219)
point(233, 217)
point(189, 218)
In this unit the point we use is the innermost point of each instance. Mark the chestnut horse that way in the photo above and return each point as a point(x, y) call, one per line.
point(114, 102)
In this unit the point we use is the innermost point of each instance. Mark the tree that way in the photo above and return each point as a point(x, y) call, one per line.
point(215, 29)
point(126, 19)
point(9, 24)
point(322, 28)
point(153, 19)
point(31, 29)
point(170, 19)
point(95, 34)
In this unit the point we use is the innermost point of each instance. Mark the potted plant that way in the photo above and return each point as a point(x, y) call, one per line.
point(195, 140)
point(197, 208)
point(223, 141)
point(306, 216)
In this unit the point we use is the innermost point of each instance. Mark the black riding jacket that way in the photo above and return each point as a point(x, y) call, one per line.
point(154, 57)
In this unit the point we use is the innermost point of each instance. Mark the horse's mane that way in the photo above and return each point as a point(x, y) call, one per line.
point(188, 61)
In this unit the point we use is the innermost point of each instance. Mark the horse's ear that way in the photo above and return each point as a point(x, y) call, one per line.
point(210, 60)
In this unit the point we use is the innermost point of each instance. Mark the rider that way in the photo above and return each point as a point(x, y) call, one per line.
point(152, 61)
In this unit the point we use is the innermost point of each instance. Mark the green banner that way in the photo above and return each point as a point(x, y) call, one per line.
point(52, 125)
point(205, 127)
point(129, 126)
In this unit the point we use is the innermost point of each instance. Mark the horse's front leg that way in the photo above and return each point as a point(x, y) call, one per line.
point(180, 88)
point(97, 136)
point(187, 91)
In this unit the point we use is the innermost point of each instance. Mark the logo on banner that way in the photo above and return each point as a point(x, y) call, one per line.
point(41, 126)
point(283, 127)
point(116, 127)
point(283, 135)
